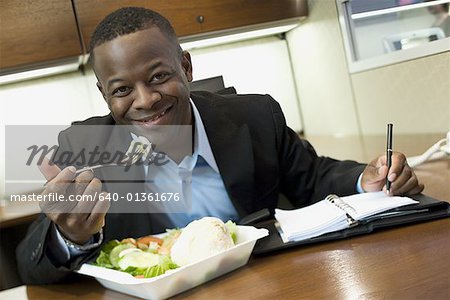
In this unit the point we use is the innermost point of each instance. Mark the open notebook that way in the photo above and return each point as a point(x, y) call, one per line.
point(334, 213)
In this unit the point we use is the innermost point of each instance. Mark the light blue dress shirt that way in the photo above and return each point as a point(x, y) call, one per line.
point(196, 179)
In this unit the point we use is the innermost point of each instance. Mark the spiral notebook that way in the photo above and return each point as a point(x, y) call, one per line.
point(334, 213)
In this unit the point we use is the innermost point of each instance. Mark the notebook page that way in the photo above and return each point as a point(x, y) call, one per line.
point(311, 221)
point(368, 204)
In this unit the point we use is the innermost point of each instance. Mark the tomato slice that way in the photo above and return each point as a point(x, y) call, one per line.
point(148, 239)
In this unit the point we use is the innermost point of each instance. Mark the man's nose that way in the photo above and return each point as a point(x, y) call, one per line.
point(145, 97)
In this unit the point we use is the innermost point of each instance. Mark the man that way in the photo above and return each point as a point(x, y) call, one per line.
point(243, 154)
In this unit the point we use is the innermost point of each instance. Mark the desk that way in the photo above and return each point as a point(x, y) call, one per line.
point(18, 213)
point(408, 262)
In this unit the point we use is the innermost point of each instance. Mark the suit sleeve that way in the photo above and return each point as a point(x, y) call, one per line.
point(305, 177)
point(37, 263)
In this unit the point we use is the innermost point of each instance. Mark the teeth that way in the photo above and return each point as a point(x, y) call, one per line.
point(159, 116)
point(155, 118)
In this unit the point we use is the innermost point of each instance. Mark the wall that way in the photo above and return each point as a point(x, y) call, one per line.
point(56, 100)
point(414, 95)
point(323, 82)
point(260, 66)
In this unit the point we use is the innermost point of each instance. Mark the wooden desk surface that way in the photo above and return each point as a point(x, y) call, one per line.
point(21, 213)
point(408, 262)
point(401, 263)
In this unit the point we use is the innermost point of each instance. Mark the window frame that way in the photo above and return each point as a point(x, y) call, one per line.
point(348, 36)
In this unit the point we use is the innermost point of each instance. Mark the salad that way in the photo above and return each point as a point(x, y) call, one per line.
point(150, 256)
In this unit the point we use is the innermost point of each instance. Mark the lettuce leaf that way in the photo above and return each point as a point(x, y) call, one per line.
point(103, 258)
point(165, 264)
point(232, 229)
point(103, 261)
point(107, 248)
point(134, 271)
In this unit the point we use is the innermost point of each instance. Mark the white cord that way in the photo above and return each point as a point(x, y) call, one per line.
point(437, 151)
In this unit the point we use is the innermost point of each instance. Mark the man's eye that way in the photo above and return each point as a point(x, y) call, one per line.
point(121, 91)
point(160, 77)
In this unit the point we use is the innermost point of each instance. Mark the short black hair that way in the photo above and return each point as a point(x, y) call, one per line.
point(127, 20)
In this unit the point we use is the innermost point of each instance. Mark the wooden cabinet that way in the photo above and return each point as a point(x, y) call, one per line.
point(34, 32)
point(40, 33)
point(194, 17)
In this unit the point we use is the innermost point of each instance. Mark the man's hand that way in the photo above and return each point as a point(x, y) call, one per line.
point(76, 220)
point(402, 177)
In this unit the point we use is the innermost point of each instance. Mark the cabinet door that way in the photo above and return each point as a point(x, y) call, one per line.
point(216, 15)
point(33, 32)
point(194, 17)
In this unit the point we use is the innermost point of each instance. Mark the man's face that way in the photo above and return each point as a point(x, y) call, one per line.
point(144, 80)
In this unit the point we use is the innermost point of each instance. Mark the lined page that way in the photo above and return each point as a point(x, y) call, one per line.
point(368, 204)
point(311, 221)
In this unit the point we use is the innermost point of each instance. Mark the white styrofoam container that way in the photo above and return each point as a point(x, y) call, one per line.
point(183, 278)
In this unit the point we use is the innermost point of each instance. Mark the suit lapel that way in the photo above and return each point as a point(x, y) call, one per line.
point(117, 140)
point(233, 152)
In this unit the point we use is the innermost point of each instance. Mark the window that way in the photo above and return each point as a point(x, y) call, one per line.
point(383, 32)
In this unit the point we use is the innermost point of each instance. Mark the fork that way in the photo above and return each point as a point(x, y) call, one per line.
point(136, 151)
point(126, 161)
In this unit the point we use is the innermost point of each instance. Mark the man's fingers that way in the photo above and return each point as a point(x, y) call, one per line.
point(78, 227)
point(88, 199)
point(102, 204)
point(48, 169)
point(97, 216)
point(82, 181)
point(80, 213)
point(398, 163)
point(381, 160)
point(61, 182)
point(57, 218)
point(374, 174)
point(381, 173)
point(418, 189)
point(410, 186)
point(400, 179)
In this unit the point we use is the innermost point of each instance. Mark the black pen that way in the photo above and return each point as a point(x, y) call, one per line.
point(389, 154)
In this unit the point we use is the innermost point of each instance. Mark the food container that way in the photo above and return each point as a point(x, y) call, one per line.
point(183, 278)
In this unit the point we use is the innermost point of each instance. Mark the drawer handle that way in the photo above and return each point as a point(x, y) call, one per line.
point(200, 19)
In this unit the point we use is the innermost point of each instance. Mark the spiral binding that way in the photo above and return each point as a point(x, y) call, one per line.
point(336, 200)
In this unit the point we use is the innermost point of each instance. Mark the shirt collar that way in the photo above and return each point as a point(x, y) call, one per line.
point(201, 142)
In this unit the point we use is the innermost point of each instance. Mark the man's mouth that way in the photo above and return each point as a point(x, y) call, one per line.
point(154, 119)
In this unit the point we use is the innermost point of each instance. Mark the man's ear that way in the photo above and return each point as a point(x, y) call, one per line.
point(186, 63)
point(100, 88)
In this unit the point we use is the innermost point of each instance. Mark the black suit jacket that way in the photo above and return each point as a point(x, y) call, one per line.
point(258, 156)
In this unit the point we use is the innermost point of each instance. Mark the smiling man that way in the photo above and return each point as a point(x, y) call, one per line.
point(243, 155)
point(143, 78)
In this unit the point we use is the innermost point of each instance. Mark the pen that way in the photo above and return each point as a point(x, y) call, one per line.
point(389, 154)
